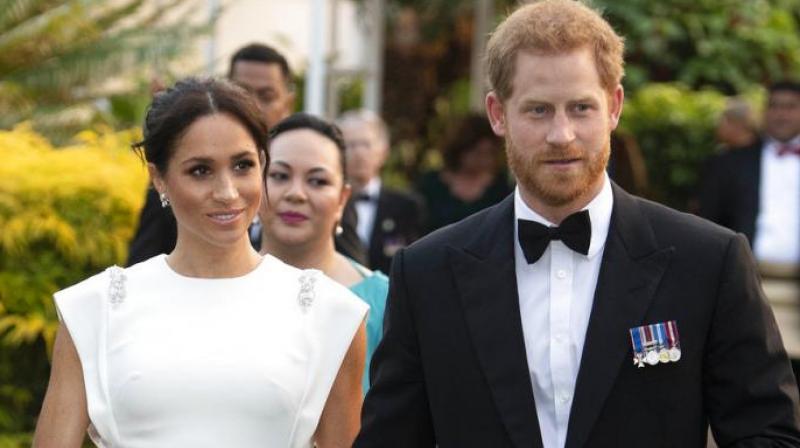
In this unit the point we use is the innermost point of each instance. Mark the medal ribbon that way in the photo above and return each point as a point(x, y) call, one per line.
point(636, 340)
point(672, 332)
point(648, 335)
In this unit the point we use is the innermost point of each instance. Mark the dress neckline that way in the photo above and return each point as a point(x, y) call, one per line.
point(163, 260)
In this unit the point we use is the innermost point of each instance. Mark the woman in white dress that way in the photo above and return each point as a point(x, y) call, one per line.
point(212, 345)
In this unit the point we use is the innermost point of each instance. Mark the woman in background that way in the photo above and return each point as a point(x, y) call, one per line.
point(212, 345)
point(472, 177)
point(306, 194)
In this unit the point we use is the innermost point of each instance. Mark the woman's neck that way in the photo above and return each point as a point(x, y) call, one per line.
point(320, 256)
point(199, 259)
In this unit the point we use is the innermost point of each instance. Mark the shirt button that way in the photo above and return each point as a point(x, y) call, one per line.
point(561, 274)
point(559, 338)
point(563, 398)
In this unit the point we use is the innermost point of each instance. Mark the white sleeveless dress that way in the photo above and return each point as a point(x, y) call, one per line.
point(174, 361)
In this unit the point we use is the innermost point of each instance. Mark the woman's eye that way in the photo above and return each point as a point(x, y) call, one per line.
point(199, 170)
point(318, 182)
point(244, 165)
point(277, 176)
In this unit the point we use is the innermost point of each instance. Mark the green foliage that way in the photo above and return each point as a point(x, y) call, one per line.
point(724, 44)
point(58, 57)
point(674, 127)
point(65, 214)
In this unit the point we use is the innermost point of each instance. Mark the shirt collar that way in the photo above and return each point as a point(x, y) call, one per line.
point(373, 188)
point(599, 213)
point(774, 146)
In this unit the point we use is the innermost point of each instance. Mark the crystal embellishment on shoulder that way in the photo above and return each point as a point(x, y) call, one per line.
point(116, 287)
point(305, 297)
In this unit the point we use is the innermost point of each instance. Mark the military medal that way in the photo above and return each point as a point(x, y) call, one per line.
point(661, 337)
point(650, 346)
point(655, 343)
point(638, 347)
point(673, 341)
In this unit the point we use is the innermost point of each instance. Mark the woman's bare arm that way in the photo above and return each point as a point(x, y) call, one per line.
point(64, 417)
point(339, 423)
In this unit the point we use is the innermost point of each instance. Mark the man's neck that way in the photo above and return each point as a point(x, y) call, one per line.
point(557, 213)
point(360, 187)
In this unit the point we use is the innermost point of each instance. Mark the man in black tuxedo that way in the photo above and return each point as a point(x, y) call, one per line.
point(266, 74)
point(574, 314)
point(756, 190)
point(388, 219)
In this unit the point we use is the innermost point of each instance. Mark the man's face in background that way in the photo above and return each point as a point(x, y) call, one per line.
point(782, 116)
point(267, 83)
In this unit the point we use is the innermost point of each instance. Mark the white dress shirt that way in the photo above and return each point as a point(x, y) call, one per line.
point(366, 210)
point(777, 235)
point(555, 298)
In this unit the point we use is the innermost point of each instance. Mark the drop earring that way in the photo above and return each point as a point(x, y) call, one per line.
point(164, 200)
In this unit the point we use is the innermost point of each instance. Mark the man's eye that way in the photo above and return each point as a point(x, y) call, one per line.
point(266, 97)
point(538, 110)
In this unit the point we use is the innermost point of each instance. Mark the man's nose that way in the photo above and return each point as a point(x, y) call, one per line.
point(561, 131)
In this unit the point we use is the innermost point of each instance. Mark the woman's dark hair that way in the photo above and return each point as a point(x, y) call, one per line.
point(172, 112)
point(464, 137)
point(303, 120)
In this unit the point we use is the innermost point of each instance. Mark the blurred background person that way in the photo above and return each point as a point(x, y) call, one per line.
point(737, 126)
point(265, 73)
point(388, 219)
point(756, 190)
point(306, 196)
point(473, 176)
point(213, 344)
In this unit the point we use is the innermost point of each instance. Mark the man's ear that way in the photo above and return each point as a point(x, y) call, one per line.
point(496, 113)
point(615, 102)
point(156, 178)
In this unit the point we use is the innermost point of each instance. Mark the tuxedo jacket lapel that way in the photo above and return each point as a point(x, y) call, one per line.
point(632, 266)
point(486, 280)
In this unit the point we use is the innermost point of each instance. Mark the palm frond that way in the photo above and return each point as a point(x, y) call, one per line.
point(12, 12)
point(94, 64)
point(40, 36)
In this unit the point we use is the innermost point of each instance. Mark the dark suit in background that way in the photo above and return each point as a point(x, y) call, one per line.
point(451, 369)
point(156, 232)
point(729, 191)
point(398, 223)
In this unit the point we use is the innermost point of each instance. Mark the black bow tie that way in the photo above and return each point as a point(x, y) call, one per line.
point(575, 232)
point(364, 197)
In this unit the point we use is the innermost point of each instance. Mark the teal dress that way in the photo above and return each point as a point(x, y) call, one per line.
point(372, 289)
